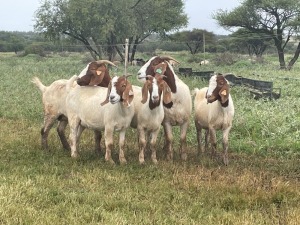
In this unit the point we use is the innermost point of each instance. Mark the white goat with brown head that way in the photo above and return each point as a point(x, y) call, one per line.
point(149, 111)
point(178, 112)
point(54, 98)
point(214, 110)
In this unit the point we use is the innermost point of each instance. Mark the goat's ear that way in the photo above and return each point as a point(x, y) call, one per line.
point(170, 79)
point(127, 95)
point(224, 93)
point(97, 78)
point(107, 95)
point(166, 94)
point(145, 91)
point(84, 80)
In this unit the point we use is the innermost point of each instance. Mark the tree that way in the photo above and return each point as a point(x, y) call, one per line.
point(278, 19)
point(255, 43)
point(194, 39)
point(102, 25)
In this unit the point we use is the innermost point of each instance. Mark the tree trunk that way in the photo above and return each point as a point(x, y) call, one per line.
point(136, 42)
point(294, 59)
point(280, 54)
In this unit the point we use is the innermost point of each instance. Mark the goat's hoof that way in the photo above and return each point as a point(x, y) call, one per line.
point(184, 156)
point(112, 162)
point(225, 161)
point(123, 161)
point(154, 161)
point(74, 155)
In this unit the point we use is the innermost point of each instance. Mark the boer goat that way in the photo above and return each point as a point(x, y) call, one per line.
point(214, 111)
point(149, 112)
point(54, 97)
point(178, 112)
point(84, 108)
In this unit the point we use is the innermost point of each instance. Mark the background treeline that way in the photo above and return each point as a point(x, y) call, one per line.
point(24, 43)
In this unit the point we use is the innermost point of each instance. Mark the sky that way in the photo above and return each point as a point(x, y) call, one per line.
point(18, 15)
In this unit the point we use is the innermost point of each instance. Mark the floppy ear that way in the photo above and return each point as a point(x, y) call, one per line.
point(166, 94)
point(97, 78)
point(224, 93)
point(107, 95)
point(170, 79)
point(127, 95)
point(145, 91)
point(84, 80)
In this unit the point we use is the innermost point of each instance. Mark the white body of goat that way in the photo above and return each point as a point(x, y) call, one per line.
point(84, 109)
point(54, 98)
point(54, 106)
point(149, 112)
point(180, 112)
point(212, 117)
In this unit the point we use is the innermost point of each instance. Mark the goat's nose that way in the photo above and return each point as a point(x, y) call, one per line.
point(111, 97)
point(139, 73)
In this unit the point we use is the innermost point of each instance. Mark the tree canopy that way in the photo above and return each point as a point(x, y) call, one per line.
point(194, 39)
point(278, 19)
point(102, 25)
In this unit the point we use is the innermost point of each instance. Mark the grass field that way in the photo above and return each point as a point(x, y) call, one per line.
point(261, 184)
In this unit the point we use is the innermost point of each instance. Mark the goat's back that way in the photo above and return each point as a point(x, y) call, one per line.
point(84, 103)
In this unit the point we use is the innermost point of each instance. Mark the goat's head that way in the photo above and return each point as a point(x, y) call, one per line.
point(150, 68)
point(218, 89)
point(119, 90)
point(97, 74)
point(156, 86)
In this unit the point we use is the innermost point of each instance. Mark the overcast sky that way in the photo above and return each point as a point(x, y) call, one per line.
point(18, 15)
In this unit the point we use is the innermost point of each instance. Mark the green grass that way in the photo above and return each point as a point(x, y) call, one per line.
point(260, 185)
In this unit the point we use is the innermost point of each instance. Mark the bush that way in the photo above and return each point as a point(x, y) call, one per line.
point(225, 58)
point(35, 49)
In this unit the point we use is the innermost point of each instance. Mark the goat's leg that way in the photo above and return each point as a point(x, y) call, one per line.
point(153, 145)
point(61, 127)
point(74, 126)
point(48, 124)
point(108, 135)
point(225, 145)
point(98, 136)
point(142, 144)
point(121, 146)
point(206, 140)
point(168, 140)
point(199, 138)
point(213, 141)
point(183, 145)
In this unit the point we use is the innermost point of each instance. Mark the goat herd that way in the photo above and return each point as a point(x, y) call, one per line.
point(96, 101)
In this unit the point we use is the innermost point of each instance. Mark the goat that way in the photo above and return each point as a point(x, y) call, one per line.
point(149, 112)
point(137, 62)
point(178, 112)
point(204, 62)
point(84, 109)
point(54, 97)
point(214, 110)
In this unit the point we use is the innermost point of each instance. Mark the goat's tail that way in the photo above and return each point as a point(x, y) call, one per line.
point(71, 82)
point(39, 84)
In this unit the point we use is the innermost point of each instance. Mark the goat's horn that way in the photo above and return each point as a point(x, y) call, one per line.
point(169, 58)
point(106, 61)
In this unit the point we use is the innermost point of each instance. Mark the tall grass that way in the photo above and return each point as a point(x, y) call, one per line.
point(260, 185)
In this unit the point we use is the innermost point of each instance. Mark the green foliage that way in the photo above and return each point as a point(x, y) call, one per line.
point(101, 25)
point(259, 186)
point(278, 19)
point(35, 49)
point(194, 39)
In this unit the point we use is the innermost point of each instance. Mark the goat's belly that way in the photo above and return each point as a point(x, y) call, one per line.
point(175, 118)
